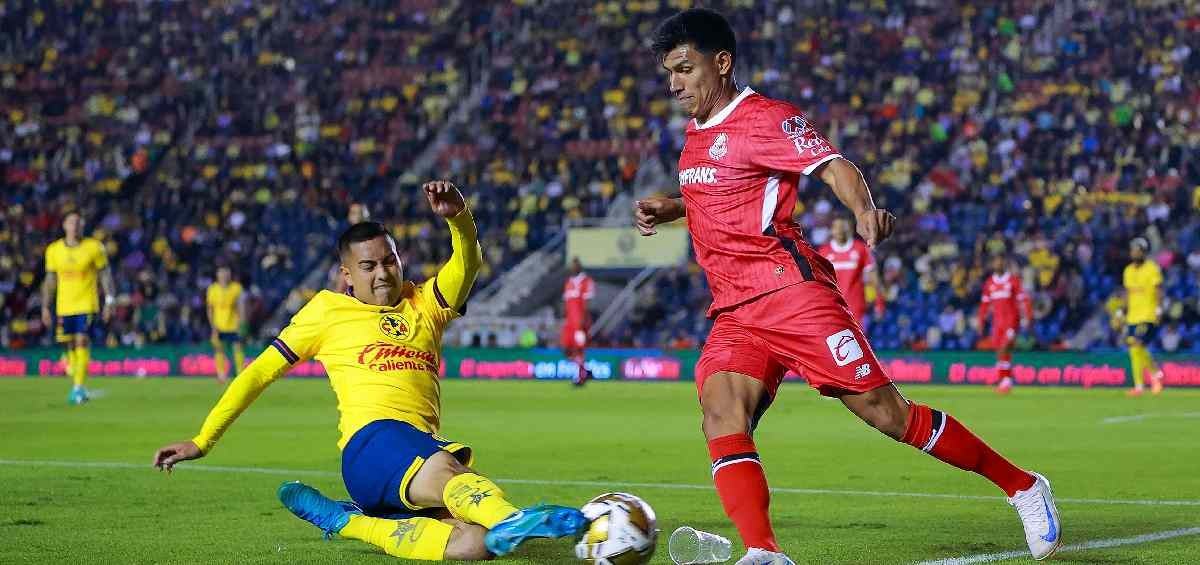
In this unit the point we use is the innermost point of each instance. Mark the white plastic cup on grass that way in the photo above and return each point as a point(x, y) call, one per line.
point(689, 546)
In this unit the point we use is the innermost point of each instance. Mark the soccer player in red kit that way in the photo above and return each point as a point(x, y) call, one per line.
point(577, 292)
point(851, 260)
point(1004, 297)
point(776, 305)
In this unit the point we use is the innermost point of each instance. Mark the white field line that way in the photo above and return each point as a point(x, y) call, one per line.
point(1094, 544)
point(1140, 417)
point(599, 484)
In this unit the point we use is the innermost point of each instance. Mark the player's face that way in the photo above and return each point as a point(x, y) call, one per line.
point(1136, 253)
point(223, 275)
point(841, 230)
point(72, 225)
point(694, 78)
point(997, 265)
point(357, 214)
point(372, 268)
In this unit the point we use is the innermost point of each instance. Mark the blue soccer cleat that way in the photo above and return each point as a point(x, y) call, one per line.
point(78, 396)
point(541, 521)
point(309, 504)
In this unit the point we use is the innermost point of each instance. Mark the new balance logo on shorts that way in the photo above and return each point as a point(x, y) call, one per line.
point(861, 371)
point(844, 347)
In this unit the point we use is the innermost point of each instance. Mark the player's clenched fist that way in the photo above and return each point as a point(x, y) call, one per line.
point(875, 225)
point(444, 198)
point(650, 212)
point(166, 458)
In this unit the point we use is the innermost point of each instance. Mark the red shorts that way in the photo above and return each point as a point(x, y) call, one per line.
point(573, 337)
point(806, 328)
point(1003, 334)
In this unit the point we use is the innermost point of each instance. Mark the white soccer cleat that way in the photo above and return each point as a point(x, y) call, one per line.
point(1039, 515)
point(756, 556)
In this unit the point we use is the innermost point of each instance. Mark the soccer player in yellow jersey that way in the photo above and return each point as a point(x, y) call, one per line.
point(73, 266)
point(415, 495)
point(1143, 294)
point(225, 313)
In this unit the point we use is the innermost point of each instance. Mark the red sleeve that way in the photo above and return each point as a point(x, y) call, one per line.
point(784, 140)
point(588, 290)
point(984, 301)
point(1023, 299)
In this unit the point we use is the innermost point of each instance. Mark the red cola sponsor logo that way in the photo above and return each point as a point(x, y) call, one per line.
point(383, 356)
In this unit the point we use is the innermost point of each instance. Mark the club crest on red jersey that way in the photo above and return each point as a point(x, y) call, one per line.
point(719, 147)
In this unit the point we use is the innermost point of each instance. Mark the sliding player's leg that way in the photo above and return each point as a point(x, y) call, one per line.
point(390, 466)
point(408, 536)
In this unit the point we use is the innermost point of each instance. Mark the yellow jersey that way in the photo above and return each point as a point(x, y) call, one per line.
point(382, 361)
point(1141, 285)
point(76, 267)
point(223, 301)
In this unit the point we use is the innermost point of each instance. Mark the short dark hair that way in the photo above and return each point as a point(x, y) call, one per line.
point(707, 30)
point(362, 231)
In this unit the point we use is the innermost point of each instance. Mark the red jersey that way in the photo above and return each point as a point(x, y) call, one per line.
point(577, 291)
point(738, 173)
point(851, 262)
point(1006, 299)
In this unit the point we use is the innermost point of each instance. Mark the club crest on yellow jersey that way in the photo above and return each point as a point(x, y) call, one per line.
point(395, 326)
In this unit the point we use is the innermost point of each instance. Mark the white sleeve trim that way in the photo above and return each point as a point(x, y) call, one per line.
point(809, 169)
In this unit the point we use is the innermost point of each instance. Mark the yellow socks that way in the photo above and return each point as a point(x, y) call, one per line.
point(69, 360)
point(411, 538)
point(475, 499)
point(239, 359)
point(1135, 363)
point(1140, 361)
point(79, 364)
point(219, 360)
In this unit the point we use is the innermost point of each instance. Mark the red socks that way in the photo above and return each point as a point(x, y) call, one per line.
point(944, 438)
point(1003, 366)
point(742, 486)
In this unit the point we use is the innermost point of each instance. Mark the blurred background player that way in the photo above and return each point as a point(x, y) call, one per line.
point(578, 291)
point(776, 306)
point(73, 266)
point(1143, 295)
point(357, 213)
point(380, 344)
point(1005, 299)
point(852, 260)
point(226, 311)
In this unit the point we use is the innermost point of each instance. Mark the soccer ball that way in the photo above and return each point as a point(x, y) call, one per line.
point(622, 530)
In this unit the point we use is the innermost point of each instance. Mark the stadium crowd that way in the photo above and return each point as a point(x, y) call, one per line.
point(198, 134)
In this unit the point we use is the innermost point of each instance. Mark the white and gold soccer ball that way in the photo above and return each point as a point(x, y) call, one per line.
point(622, 531)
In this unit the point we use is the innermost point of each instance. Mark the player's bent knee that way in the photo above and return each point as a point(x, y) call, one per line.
point(466, 542)
point(427, 485)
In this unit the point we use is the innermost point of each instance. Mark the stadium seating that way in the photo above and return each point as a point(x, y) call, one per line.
point(193, 134)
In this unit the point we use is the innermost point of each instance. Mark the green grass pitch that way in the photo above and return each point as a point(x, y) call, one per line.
point(1099, 449)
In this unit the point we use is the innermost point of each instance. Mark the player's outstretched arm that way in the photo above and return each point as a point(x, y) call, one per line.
point(848, 184)
point(649, 212)
point(457, 276)
point(240, 394)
